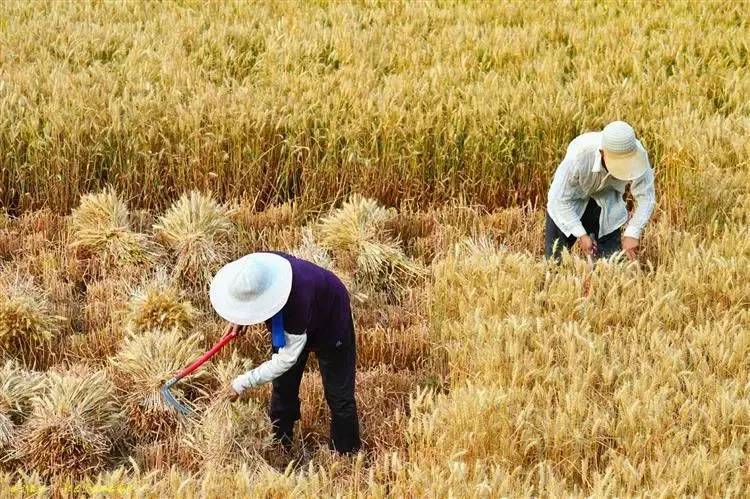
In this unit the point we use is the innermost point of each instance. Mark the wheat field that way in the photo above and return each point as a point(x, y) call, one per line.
point(407, 146)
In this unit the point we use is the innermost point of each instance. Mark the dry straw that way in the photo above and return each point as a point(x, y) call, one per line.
point(105, 303)
point(382, 403)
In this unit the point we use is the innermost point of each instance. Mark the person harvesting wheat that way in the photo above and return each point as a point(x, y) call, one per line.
point(306, 308)
point(585, 201)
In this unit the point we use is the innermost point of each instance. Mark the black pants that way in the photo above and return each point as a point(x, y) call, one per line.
point(337, 368)
point(555, 239)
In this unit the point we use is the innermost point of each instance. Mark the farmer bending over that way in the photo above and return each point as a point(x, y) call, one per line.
point(586, 196)
point(306, 308)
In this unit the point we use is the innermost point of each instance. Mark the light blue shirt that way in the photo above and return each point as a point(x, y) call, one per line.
point(580, 177)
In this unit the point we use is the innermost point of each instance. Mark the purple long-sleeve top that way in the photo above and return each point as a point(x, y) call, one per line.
point(318, 306)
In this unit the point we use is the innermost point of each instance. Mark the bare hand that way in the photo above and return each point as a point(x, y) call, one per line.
point(235, 328)
point(630, 247)
point(231, 395)
point(588, 245)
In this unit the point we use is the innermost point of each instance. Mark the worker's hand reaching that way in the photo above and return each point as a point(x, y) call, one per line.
point(235, 328)
point(587, 245)
point(630, 247)
point(231, 395)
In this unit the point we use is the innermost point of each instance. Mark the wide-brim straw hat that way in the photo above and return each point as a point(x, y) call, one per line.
point(252, 289)
point(624, 156)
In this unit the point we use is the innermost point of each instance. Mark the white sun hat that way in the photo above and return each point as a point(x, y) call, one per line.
point(252, 289)
point(624, 156)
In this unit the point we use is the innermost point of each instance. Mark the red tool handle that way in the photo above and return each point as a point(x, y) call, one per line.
point(203, 358)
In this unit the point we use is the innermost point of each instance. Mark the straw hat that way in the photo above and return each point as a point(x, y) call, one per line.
point(624, 156)
point(252, 289)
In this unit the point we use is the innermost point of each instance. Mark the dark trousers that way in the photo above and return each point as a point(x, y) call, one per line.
point(337, 368)
point(555, 239)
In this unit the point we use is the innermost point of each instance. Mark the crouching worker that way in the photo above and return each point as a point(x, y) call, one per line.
point(586, 196)
point(306, 308)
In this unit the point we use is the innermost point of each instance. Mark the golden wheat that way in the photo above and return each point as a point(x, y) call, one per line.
point(497, 374)
point(399, 101)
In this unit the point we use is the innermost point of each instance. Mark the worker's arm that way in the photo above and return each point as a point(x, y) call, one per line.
point(560, 203)
point(644, 195)
point(279, 363)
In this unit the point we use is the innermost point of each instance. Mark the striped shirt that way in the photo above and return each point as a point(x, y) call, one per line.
point(580, 177)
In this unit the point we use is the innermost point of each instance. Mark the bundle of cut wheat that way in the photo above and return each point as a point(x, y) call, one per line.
point(140, 369)
point(196, 229)
point(312, 252)
point(362, 245)
point(100, 228)
point(159, 305)
point(72, 426)
point(17, 387)
point(27, 323)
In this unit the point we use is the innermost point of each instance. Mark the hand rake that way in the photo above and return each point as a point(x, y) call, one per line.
point(229, 335)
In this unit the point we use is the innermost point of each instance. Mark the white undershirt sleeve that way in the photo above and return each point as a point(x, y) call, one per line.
point(279, 363)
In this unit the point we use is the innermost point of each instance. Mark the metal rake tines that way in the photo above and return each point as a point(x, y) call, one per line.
point(171, 400)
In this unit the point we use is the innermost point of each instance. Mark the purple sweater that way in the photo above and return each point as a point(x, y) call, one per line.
point(318, 305)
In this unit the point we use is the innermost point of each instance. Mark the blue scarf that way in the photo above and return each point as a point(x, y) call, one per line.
point(277, 330)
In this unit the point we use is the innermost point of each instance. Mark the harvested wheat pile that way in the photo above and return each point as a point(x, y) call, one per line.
point(361, 245)
point(311, 251)
point(100, 229)
point(196, 231)
point(27, 323)
point(159, 305)
point(142, 366)
point(72, 426)
point(17, 387)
